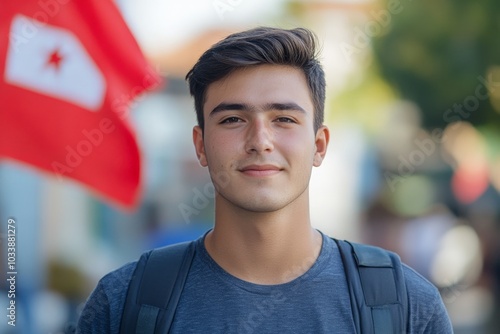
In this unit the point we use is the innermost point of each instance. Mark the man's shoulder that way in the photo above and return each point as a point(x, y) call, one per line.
point(103, 309)
point(427, 312)
point(419, 286)
point(118, 278)
point(114, 286)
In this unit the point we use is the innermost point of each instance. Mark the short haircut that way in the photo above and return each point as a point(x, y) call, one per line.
point(258, 46)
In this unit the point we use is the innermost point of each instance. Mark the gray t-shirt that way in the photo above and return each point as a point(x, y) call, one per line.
point(214, 301)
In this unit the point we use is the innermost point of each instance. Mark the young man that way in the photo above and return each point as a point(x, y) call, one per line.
point(259, 98)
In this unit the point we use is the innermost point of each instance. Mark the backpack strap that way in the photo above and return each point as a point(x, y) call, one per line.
point(376, 287)
point(155, 289)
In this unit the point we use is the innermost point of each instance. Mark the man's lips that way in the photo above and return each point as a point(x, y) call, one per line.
point(260, 170)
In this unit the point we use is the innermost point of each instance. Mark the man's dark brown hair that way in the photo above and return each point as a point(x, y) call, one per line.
point(264, 45)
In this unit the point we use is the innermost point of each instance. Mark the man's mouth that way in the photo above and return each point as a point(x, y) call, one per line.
point(260, 170)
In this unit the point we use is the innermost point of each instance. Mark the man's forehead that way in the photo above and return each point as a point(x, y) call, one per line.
point(260, 86)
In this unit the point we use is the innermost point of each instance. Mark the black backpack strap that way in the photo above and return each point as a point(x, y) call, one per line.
point(377, 288)
point(155, 289)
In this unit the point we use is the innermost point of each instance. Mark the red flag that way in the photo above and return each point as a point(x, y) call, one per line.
point(68, 70)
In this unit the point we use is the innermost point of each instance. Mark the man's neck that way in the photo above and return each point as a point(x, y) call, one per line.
point(264, 248)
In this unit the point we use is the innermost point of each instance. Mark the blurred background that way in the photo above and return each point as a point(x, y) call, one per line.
point(413, 104)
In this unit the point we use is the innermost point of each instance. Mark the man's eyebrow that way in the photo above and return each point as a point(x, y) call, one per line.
point(284, 106)
point(290, 106)
point(230, 106)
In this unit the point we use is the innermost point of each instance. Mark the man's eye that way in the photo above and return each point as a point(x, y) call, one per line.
point(231, 120)
point(285, 120)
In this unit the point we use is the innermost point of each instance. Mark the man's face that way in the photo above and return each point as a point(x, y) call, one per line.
point(259, 142)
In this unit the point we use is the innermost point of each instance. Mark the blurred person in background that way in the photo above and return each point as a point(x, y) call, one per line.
point(259, 98)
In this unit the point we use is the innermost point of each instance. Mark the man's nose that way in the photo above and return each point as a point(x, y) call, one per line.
point(259, 137)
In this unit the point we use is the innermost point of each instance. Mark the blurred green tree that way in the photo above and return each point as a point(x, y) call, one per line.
point(439, 54)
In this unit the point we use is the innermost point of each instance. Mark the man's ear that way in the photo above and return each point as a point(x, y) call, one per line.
point(322, 139)
point(199, 145)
